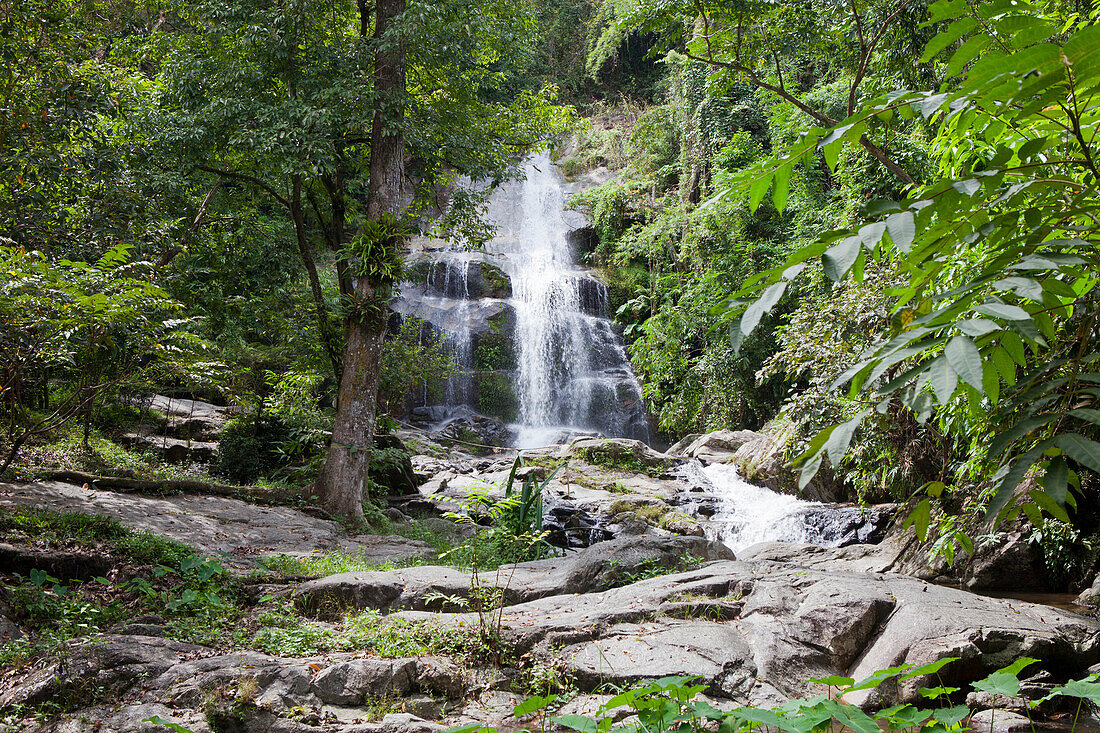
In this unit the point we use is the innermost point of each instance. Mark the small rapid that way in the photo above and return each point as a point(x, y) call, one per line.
point(746, 514)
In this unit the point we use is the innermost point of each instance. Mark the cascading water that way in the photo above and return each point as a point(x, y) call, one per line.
point(748, 514)
point(570, 373)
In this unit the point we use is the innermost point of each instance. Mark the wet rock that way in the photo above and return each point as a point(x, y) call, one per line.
point(476, 433)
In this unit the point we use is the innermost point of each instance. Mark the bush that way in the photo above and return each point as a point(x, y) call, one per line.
point(249, 448)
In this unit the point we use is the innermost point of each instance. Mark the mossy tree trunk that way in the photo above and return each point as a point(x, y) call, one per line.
point(343, 480)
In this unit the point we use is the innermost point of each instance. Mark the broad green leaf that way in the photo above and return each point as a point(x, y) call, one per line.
point(919, 518)
point(580, 723)
point(762, 305)
point(837, 444)
point(1045, 502)
point(964, 358)
point(1081, 449)
point(943, 379)
point(1086, 689)
point(902, 229)
point(533, 704)
point(1002, 310)
point(930, 668)
point(1056, 480)
point(839, 259)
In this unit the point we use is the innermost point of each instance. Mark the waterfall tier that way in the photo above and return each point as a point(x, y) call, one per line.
point(528, 327)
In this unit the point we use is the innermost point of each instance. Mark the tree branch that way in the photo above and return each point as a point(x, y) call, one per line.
point(250, 179)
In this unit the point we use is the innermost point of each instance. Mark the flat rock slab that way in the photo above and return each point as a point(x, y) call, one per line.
point(430, 588)
point(214, 524)
point(756, 631)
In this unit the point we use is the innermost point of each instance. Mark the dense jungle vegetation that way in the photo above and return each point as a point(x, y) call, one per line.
point(867, 228)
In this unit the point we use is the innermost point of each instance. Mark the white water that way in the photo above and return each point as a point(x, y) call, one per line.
point(748, 514)
point(573, 376)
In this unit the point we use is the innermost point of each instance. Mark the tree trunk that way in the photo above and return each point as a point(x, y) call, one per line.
point(343, 480)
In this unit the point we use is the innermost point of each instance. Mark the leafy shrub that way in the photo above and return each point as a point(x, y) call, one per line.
point(248, 448)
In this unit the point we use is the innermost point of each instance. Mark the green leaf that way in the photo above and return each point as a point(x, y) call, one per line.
point(1081, 449)
point(839, 259)
point(947, 36)
point(919, 518)
point(762, 305)
point(177, 728)
point(577, 722)
point(1056, 480)
point(1086, 689)
point(837, 444)
point(1045, 502)
point(943, 379)
point(902, 229)
point(951, 716)
point(757, 189)
point(965, 360)
point(1002, 310)
point(532, 705)
point(782, 186)
point(930, 668)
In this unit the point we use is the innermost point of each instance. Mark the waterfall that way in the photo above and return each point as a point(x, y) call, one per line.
point(573, 375)
point(538, 352)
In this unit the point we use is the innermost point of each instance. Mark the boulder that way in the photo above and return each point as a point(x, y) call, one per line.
point(608, 564)
point(598, 567)
point(233, 529)
point(679, 448)
point(112, 663)
point(762, 460)
point(756, 631)
point(173, 450)
point(1091, 595)
point(999, 721)
point(718, 447)
point(623, 453)
point(1012, 563)
point(357, 681)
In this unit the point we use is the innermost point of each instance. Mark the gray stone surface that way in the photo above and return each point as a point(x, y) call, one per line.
point(718, 447)
point(1091, 595)
point(421, 588)
point(999, 721)
point(1012, 563)
point(790, 622)
point(358, 680)
point(215, 524)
